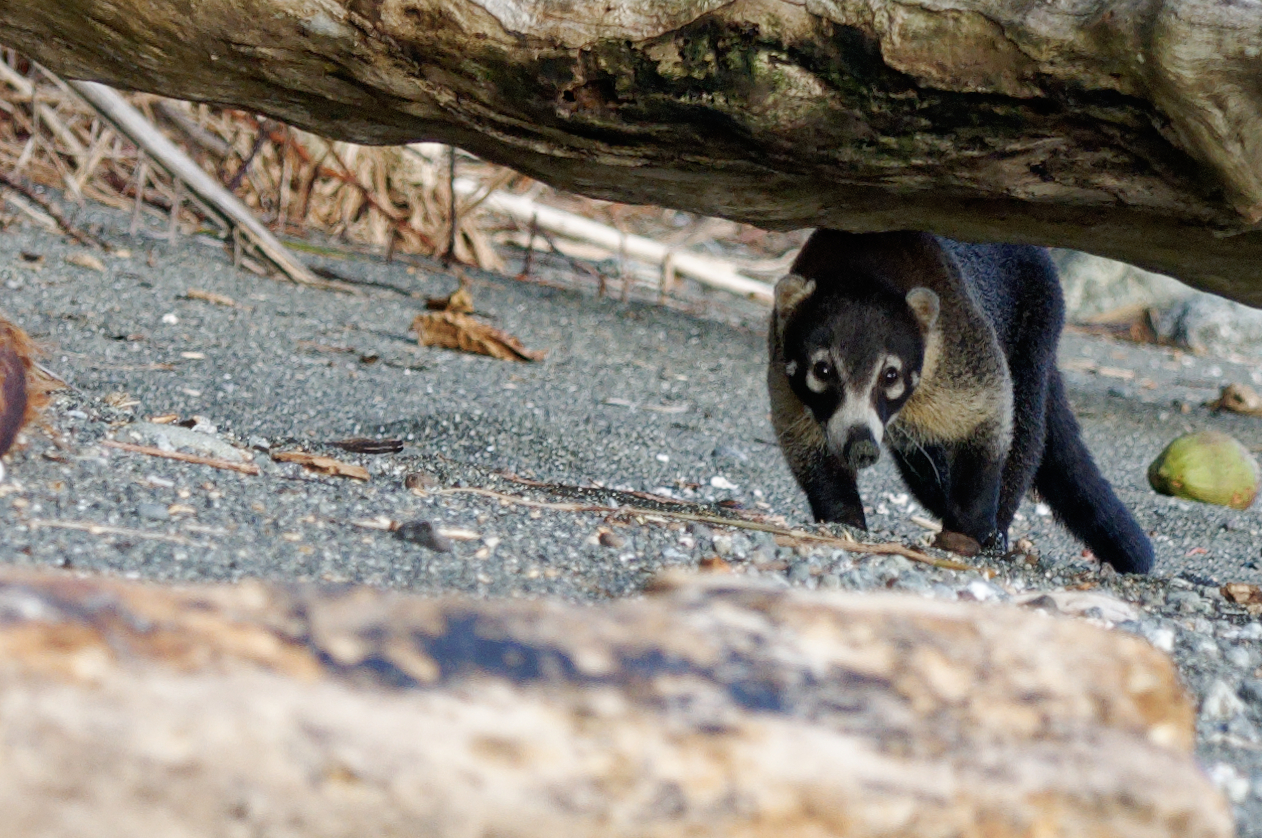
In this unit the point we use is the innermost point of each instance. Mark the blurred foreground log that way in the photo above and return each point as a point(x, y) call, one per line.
point(1132, 130)
point(715, 709)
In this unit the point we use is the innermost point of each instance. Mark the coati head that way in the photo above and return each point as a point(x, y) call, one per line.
point(853, 358)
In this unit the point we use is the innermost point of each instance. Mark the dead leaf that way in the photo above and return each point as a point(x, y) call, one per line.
point(957, 542)
point(454, 330)
point(324, 465)
point(458, 301)
point(1238, 398)
point(86, 260)
point(1242, 593)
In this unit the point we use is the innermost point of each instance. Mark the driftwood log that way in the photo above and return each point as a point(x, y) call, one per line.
point(1129, 129)
point(718, 709)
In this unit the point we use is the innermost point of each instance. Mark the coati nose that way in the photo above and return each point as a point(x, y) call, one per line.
point(861, 449)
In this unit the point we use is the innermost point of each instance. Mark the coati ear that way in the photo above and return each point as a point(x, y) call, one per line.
point(791, 290)
point(924, 304)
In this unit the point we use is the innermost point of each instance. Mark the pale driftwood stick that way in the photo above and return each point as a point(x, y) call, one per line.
point(703, 269)
point(93, 528)
point(173, 218)
point(132, 124)
point(142, 177)
point(244, 468)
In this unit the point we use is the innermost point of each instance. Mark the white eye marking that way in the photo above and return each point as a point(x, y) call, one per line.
point(791, 369)
point(820, 371)
point(891, 378)
point(915, 379)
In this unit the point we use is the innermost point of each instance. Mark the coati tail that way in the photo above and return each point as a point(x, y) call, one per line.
point(1082, 499)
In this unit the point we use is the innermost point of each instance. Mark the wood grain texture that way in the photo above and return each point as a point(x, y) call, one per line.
point(705, 709)
point(1129, 128)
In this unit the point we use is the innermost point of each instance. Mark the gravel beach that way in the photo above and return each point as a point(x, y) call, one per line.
point(630, 398)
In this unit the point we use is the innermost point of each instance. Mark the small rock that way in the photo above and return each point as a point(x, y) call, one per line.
point(1252, 631)
point(1251, 691)
point(980, 591)
point(153, 511)
point(1187, 602)
point(1240, 727)
point(831, 581)
point(700, 531)
point(800, 572)
point(1161, 638)
point(1221, 702)
point(761, 555)
point(1041, 602)
point(727, 452)
point(1239, 657)
point(723, 544)
point(424, 534)
point(612, 539)
point(420, 480)
point(1233, 784)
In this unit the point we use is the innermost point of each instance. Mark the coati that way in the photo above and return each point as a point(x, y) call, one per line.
point(947, 351)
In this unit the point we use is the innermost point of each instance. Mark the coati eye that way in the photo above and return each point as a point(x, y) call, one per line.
point(822, 370)
point(889, 377)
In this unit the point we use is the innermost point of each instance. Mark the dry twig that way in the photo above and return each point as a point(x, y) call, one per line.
point(844, 543)
point(244, 468)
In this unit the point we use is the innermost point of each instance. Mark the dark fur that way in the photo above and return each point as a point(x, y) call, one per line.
point(999, 324)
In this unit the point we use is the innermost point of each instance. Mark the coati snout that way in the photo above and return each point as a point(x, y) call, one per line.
point(853, 361)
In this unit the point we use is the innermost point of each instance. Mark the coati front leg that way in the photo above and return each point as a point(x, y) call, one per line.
point(833, 491)
point(976, 474)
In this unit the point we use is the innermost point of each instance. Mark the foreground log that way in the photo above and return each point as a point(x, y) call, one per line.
point(723, 710)
point(1126, 129)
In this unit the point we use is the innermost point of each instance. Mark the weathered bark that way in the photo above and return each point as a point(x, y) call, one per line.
point(723, 710)
point(1129, 128)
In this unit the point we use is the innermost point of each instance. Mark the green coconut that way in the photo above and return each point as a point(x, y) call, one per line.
point(1208, 466)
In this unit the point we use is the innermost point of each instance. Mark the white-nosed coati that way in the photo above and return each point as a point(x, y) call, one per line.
point(948, 351)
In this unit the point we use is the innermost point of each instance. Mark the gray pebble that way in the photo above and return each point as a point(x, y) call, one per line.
point(800, 572)
point(761, 555)
point(1239, 656)
point(1221, 702)
point(723, 545)
point(1251, 691)
point(1188, 602)
point(153, 511)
